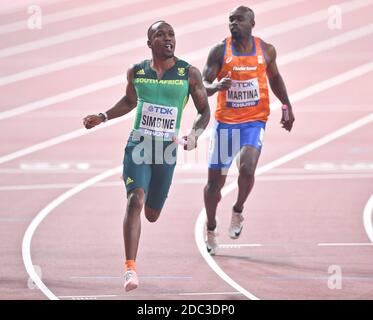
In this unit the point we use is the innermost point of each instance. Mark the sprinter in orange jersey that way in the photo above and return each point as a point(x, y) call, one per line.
point(241, 64)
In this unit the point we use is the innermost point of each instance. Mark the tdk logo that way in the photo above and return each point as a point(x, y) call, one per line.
point(159, 110)
point(246, 84)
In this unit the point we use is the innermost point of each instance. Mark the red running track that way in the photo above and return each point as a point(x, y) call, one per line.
point(304, 218)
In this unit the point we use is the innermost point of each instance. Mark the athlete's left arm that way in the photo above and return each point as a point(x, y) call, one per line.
point(199, 96)
point(278, 85)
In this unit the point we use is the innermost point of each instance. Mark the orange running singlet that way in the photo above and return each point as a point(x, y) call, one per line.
point(247, 99)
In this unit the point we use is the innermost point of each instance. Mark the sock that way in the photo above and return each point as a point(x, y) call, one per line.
point(237, 211)
point(130, 264)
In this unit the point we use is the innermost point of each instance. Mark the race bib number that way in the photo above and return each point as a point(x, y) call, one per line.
point(158, 120)
point(243, 94)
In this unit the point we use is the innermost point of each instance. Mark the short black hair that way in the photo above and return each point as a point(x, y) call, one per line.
point(245, 9)
point(150, 29)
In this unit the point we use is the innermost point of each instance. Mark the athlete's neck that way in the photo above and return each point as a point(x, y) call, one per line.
point(162, 65)
point(243, 45)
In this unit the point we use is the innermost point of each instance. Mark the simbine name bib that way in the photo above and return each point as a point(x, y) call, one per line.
point(157, 120)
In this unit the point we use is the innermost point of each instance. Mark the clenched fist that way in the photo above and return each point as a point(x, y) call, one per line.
point(92, 121)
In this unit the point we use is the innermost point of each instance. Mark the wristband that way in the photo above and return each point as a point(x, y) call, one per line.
point(104, 116)
point(285, 112)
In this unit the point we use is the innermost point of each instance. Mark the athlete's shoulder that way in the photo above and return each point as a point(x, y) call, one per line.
point(139, 69)
point(217, 51)
point(269, 51)
point(216, 55)
point(194, 73)
point(182, 64)
point(180, 69)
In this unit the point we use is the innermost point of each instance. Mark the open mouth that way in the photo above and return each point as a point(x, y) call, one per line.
point(168, 46)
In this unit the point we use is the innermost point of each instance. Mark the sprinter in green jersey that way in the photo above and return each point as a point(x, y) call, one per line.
point(159, 89)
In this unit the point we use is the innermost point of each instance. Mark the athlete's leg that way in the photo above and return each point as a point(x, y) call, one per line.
point(249, 157)
point(212, 194)
point(151, 214)
point(132, 222)
point(136, 177)
point(159, 186)
point(219, 161)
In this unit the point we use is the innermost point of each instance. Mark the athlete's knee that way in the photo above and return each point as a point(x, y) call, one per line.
point(151, 214)
point(135, 201)
point(247, 170)
point(213, 188)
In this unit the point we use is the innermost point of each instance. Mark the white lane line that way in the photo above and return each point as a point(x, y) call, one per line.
point(332, 82)
point(242, 245)
point(138, 43)
point(197, 54)
point(60, 139)
point(60, 16)
point(110, 82)
point(78, 34)
point(14, 219)
point(209, 293)
point(88, 297)
point(144, 277)
point(178, 181)
point(306, 177)
point(69, 171)
point(367, 218)
point(363, 69)
point(138, 18)
point(26, 243)
point(309, 147)
point(309, 168)
point(260, 245)
point(306, 20)
point(97, 185)
point(53, 186)
point(324, 85)
point(158, 294)
point(292, 277)
point(199, 225)
point(327, 44)
point(21, 5)
point(107, 83)
point(347, 244)
point(62, 97)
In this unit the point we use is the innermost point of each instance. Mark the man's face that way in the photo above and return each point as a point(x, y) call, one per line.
point(162, 41)
point(240, 23)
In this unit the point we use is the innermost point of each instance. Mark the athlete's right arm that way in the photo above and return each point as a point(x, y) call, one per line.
point(122, 107)
point(212, 69)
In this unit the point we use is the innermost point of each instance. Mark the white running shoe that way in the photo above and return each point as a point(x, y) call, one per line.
point(212, 240)
point(131, 281)
point(236, 225)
